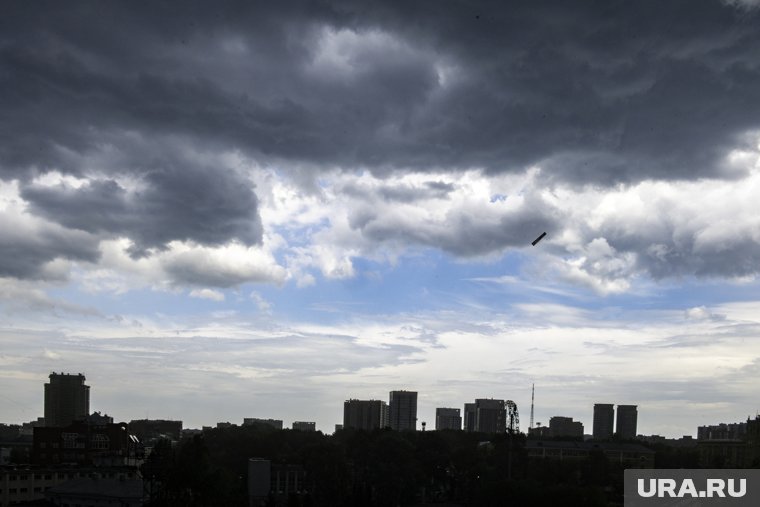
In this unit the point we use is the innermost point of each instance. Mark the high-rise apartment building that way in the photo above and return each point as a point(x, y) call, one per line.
point(67, 399)
point(604, 418)
point(448, 419)
point(402, 410)
point(365, 414)
point(469, 417)
point(625, 426)
point(490, 416)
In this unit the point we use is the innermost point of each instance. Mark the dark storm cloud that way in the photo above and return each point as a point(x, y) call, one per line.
point(594, 92)
point(24, 253)
point(599, 92)
point(203, 205)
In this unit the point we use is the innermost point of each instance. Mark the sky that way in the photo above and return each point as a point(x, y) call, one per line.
point(219, 210)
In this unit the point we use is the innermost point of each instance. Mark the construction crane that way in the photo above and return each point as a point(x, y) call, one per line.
point(513, 417)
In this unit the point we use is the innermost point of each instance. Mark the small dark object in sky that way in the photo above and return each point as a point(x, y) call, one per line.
point(538, 238)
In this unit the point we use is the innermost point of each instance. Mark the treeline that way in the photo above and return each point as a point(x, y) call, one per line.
point(379, 468)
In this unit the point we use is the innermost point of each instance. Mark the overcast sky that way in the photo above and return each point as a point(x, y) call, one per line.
point(219, 210)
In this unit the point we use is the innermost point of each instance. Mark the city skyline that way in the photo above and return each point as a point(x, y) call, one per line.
point(212, 208)
point(608, 420)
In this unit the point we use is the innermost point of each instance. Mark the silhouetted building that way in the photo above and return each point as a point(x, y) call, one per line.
point(730, 445)
point(24, 484)
point(98, 418)
point(628, 455)
point(304, 426)
point(686, 441)
point(9, 431)
point(402, 410)
point(86, 444)
point(365, 414)
point(274, 423)
point(151, 430)
point(733, 431)
point(753, 443)
point(67, 399)
point(539, 432)
point(27, 428)
point(565, 427)
point(490, 416)
point(276, 484)
point(448, 419)
point(259, 481)
point(469, 416)
point(625, 427)
point(604, 418)
point(97, 492)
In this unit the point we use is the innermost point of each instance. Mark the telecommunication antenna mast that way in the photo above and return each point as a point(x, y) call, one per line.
point(532, 393)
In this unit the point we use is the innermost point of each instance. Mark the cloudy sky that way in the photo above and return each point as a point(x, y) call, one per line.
point(219, 210)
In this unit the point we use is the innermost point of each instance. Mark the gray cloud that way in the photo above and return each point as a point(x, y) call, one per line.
point(209, 206)
point(597, 95)
point(463, 232)
point(594, 95)
point(26, 249)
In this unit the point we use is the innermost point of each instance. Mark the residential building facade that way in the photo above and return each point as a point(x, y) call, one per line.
point(448, 419)
point(67, 399)
point(402, 410)
point(365, 414)
point(604, 418)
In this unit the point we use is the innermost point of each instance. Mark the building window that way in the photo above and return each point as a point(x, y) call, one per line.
point(100, 441)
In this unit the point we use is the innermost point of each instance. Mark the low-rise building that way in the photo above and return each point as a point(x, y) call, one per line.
point(27, 483)
point(560, 426)
point(305, 426)
point(274, 423)
point(86, 444)
point(276, 484)
point(98, 492)
point(150, 430)
point(735, 445)
point(629, 455)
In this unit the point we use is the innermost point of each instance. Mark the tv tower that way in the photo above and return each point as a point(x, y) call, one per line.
point(532, 393)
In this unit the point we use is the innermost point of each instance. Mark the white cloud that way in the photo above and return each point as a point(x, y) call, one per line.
point(576, 357)
point(262, 304)
point(211, 294)
point(702, 313)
